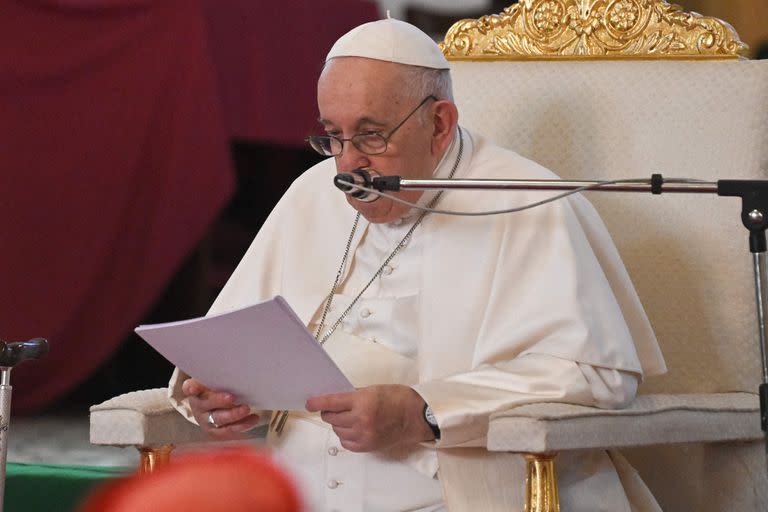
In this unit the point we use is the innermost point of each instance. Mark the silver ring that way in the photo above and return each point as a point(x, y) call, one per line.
point(211, 421)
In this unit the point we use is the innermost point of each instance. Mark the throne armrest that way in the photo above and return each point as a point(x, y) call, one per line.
point(540, 431)
point(649, 420)
point(144, 419)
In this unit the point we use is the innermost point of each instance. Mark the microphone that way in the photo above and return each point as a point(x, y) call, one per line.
point(12, 353)
point(361, 177)
point(368, 178)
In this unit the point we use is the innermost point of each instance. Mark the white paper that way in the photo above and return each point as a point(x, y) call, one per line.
point(262, 354)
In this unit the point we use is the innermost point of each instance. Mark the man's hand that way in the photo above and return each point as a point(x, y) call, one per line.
point(374, 418)
point(232, 419)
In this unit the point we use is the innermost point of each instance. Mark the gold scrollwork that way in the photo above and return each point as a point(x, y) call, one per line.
point(543, 29)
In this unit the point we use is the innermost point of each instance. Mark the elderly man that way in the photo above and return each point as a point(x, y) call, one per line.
point(438, 321)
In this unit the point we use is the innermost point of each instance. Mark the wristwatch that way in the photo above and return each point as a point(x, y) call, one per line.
point(429, 417)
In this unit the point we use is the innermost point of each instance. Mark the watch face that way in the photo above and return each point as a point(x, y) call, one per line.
point(429, 416)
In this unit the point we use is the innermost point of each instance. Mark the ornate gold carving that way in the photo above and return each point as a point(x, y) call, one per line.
point(541, 483)
point(592, 29)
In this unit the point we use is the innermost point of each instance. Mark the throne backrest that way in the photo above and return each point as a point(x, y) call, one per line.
point(649, 88)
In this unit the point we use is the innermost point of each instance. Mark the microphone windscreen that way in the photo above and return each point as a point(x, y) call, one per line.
point(342, 181)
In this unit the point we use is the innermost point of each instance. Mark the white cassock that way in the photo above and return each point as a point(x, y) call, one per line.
point(476, 314)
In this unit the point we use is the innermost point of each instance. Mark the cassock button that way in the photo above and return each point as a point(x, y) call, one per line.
point(333, 451)
point(332, 484)
point(387, 270)
point(365, 312)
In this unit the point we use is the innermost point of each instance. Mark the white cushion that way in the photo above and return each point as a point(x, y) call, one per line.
point(141, 418)
point(649, 420)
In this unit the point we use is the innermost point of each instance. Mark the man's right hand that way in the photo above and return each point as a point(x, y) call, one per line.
point(232, 419)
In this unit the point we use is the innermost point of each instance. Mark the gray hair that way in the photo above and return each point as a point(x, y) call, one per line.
point(420, 82)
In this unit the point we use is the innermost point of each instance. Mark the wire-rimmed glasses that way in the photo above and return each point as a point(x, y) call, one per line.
point(370, 143)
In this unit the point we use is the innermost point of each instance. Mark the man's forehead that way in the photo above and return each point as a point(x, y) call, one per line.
point(364, 120)
point(365, 81)
point(360, 93)
point(362, 85)
point(355, 106)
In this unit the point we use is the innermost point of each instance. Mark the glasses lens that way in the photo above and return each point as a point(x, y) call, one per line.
point(325, 145)
point(370, 143)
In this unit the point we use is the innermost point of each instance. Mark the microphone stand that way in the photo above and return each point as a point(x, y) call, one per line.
point(754, 216)
point(11, 354)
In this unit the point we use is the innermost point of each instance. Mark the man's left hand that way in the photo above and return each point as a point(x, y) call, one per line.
point(374, 418)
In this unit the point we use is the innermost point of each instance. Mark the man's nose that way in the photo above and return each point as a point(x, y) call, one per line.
point(351, 158)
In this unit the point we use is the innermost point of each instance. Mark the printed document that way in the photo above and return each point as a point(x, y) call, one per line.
point(262, 354)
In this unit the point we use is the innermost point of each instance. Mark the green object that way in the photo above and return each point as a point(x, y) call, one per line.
point(48, 488)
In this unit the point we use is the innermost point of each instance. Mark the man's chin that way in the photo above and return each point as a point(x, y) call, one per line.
point(377, 212)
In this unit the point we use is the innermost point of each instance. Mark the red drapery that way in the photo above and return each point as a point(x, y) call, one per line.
point(113, 162)
point(268, 56)
point(114, 121)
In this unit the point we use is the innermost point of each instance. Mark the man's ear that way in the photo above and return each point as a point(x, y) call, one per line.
point(445, 117)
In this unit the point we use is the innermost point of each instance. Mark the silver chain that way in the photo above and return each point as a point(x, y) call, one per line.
point(397, 249)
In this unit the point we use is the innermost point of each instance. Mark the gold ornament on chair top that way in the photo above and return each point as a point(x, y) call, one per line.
point(593, 29)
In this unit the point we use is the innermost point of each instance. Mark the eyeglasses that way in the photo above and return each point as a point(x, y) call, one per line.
point(370, 143)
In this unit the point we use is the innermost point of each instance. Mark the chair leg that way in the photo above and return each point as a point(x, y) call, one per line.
point(153, 458)
point(541, 483)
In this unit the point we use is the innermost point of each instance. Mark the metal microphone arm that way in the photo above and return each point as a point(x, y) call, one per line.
point(655, 185)
point(754, 216)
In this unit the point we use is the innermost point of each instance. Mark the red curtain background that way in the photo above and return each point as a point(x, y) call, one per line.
point(115, 122)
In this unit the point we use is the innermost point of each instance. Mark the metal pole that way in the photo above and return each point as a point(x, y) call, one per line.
point(702, 187)
point(761, 287)
point(5, 420)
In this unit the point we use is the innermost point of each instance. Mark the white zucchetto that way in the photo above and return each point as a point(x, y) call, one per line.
point(390, 40)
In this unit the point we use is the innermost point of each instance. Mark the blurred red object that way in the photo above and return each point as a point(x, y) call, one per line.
point(230, 479)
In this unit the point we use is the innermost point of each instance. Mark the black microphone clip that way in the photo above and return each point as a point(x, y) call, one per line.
point(367, 178)
point(359, 177)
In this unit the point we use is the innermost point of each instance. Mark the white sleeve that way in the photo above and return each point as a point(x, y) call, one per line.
point(611, 389)
point(177, 398)
point(462, 403)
